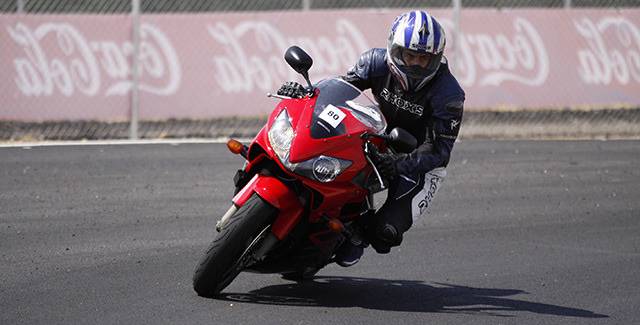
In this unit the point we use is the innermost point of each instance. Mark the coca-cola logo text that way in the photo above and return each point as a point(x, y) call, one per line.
point(77, 64)
point(498, 58)
point(239, 69)
point(612, 53)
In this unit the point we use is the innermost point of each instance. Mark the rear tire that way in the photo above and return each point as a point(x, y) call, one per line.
point(216, 268)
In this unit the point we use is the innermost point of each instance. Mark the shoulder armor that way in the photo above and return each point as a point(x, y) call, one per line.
point(372, 64)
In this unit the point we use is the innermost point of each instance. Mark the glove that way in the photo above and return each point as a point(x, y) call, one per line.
point(385, 163)
point(291, 89)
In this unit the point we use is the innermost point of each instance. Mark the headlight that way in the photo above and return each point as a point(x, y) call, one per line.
point(280, 136)
point(323, 168)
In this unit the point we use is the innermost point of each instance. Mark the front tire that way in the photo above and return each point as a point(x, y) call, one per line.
point(217, 268)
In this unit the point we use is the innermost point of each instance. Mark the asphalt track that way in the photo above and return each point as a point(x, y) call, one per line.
point(522, 232)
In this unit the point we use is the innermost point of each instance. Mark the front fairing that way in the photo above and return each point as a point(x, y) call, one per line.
point(328, 124)
point(336, 99)
point(333, 123)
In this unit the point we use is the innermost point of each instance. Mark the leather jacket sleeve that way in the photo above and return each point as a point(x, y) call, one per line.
point(442, 124)
point(370, 65)
point(435, 153)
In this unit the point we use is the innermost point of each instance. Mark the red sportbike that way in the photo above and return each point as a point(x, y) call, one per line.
point(307, 184)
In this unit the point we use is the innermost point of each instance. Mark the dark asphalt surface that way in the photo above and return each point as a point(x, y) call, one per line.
point(522, 232)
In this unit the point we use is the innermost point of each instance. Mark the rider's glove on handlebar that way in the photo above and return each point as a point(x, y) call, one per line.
point(386, 164)
point(291, 89)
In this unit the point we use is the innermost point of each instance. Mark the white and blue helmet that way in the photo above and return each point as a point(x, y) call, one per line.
point(419, 32)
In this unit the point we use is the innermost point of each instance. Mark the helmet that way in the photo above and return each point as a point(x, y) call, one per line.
point(415, 35)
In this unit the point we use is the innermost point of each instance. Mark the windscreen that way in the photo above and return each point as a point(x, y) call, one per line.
point(337, 95)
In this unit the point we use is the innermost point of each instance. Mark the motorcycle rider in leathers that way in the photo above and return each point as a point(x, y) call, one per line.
point(411, 81)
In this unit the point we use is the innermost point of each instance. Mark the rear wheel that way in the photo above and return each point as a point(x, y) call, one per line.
point(225, 256)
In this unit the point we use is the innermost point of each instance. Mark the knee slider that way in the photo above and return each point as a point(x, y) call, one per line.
point(389, 234)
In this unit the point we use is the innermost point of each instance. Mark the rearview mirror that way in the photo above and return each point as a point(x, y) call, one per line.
point(298, 59)
point(402, 141)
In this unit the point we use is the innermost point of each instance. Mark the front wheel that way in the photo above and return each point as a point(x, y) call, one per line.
point(218, 267)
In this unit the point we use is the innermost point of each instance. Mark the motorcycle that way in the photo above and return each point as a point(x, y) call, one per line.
point(306, 187)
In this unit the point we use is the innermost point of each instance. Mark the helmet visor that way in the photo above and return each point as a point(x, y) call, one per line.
point(416, 66)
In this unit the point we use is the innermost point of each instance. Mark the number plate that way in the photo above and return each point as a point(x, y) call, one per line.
point(332, 115)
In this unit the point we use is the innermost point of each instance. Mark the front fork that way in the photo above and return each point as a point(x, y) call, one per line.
point(368, 149)
point(225, 218)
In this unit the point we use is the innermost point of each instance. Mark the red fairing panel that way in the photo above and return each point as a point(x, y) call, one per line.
point(278, 195)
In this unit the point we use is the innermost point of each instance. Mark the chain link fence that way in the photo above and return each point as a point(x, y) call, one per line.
point(169, 6)
point(599, 123)
point(567, 124)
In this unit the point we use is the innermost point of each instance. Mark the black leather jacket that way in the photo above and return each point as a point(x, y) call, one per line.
point(432, 114)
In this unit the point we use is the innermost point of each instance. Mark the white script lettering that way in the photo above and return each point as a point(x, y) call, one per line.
point(522, 58)
point(75, 63)
point(612, 57)
point(239, 69)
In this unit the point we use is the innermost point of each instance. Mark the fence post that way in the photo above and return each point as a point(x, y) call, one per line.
point(306, 5)
point(135, 69)
point(457, 34)
point(20, 6)
point(567, 4)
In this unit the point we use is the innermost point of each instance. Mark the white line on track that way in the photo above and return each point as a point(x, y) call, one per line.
point(27, 145)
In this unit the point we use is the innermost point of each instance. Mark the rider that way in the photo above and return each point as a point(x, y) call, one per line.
point(411, 81)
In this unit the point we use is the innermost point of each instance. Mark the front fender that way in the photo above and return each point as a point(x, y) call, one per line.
point(277, 194)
